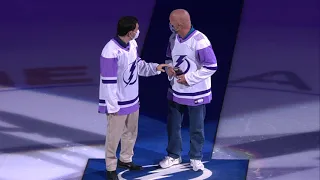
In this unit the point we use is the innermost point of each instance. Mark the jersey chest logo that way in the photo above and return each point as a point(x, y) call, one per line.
point(182, 59)
point(130, 75)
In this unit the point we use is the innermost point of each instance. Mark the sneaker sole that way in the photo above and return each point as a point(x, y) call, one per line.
point(170, 166)
point(196, 169)
point(131, 169)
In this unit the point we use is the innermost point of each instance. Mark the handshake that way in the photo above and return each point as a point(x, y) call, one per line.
point(173, 72)
point(177, 72)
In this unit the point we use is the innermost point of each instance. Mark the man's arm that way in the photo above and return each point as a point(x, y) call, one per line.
point(169, 70)
point(208, 61)
point(108, 102)
point(149, 69)
point(168, 53)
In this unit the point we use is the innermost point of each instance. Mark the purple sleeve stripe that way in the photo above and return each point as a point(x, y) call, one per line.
point(108, 67)
point(103, 109)
point(109, 81)
point(102, 101)
point(206, 56)
point(211, 68)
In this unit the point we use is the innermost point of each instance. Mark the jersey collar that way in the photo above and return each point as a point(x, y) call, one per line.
point(190, 33)
point(121, 43)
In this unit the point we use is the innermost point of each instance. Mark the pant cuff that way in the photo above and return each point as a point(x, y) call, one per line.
point(125, 161)
point(173, 156)
point(112, 168)
point(196, 157)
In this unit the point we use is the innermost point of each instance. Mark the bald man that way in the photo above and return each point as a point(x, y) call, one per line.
point(192, 63)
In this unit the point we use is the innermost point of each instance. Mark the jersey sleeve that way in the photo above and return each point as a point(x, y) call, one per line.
point(206, 58)
point(108, 102)
point(170, 45)
point(144, 68)
point(169, 60)
point(147, 69)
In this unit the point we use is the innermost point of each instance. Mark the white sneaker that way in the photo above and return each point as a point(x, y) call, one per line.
point(169, 161)
point(196, 165)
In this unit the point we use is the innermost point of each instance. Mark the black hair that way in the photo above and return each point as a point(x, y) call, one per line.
point(126, 24)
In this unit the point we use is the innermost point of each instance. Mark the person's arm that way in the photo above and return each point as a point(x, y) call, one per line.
point(168, 55)
point(169, 61)
point(147, 69)
point(108, 101)
point(144, 68)
point(208, 61)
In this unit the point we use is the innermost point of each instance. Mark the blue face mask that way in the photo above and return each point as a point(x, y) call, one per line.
point(172, 28)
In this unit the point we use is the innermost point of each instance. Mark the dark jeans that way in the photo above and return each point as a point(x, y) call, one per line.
point(196, 118)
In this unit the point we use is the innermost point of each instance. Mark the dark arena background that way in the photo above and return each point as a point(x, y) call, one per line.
point(263, 121)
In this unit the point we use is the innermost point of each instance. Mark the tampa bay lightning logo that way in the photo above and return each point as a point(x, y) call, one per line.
point(181, 59)
point(177, 172)
point(130, 76)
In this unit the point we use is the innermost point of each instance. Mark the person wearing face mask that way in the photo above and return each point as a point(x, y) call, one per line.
point(120, 68)
point(192, 63)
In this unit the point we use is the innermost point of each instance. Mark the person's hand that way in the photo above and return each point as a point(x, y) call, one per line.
point(171, 72)
point(113, 114)
point(182, 80)
point(161, 66)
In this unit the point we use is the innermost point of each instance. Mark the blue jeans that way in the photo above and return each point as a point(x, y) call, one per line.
point(196, 118)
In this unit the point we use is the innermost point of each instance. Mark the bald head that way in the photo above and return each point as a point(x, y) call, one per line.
point(180, 19)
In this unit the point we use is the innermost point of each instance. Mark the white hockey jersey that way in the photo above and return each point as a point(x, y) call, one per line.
point(195, 57)
point(120, 68)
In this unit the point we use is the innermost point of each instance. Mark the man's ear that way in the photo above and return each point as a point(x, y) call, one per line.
point(128, 34)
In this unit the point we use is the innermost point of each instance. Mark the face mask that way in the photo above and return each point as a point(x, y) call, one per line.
point(137, 34)
point(172, 28)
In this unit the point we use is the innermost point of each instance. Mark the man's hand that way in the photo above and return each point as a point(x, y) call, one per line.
point(113, 114)
point(161, 66)
point(171, 72)
point(182, 80)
